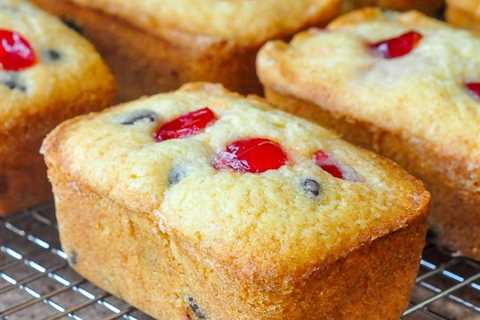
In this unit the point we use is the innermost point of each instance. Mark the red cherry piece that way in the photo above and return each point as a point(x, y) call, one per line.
point(474, 87)
point(186, 125)
point(255, 155)
point(324, 161)
point(15, 52)
point(398, 46)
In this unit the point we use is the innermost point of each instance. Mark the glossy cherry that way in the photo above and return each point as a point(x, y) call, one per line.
point(254, 155)
point(186, 125)
point(398, 46)
point(325, 161)
point(474, 87)
point(15, 52)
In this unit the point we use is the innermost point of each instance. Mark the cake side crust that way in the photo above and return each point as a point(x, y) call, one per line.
point(23, 178)
point(165, 64)
point(168, 278)
point(463, 17)
point(466, 5)
point(430, 7)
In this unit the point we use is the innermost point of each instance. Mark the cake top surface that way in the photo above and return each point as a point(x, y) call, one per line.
point(297, 197)
point(43, 64)
point(405, 73)
point(244, 21)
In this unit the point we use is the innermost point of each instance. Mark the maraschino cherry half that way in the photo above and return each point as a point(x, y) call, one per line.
point(398, 46)
point(186, 125)
point(474, 88)
point(328, 164)
point(16, 53)
point(254, 155)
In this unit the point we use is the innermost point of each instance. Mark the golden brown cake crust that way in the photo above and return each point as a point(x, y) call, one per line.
point(430, 7)
point(464, 13)
point(23, 180)
point(77, 82)
point(467, 5)
point(158, 273)
point(272, 253)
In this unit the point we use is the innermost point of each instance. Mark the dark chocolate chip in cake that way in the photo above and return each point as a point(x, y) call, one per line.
point(52, 55)
point(139, 116)
point(197, 312)
point(13, 82)
point(3, 184)
point(72, 25)
point(311, 186)
point(72, 257)
point(176, 174)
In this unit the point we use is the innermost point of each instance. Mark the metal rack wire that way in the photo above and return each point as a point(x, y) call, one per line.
point(37, 283)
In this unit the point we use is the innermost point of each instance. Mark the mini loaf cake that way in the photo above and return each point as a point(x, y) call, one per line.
point(404, 85)
point(464, 13)
point(47, 74)
point(432, 7)
point(203, 204)
point(156, 45)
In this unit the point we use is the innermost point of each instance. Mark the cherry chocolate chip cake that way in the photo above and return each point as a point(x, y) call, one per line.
point(402, 84)
point(48, 73)
point(157, 45)
point(204, 204)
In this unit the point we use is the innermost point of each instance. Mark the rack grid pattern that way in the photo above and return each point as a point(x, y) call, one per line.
point(36, 281)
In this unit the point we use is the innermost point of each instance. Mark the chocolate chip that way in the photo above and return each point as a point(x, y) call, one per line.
point(72, 257)
point(3, 184)
point(197, 312)
point(52, 55)
point(176, 174)
point(72, 25)
point(311, 186)
point(12, 81)
point(138, 116)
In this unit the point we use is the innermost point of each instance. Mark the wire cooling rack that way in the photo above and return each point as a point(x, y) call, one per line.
point(37, 283)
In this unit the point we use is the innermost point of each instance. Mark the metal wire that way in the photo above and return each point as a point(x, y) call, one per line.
point(37, 283)
point(35, 278)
